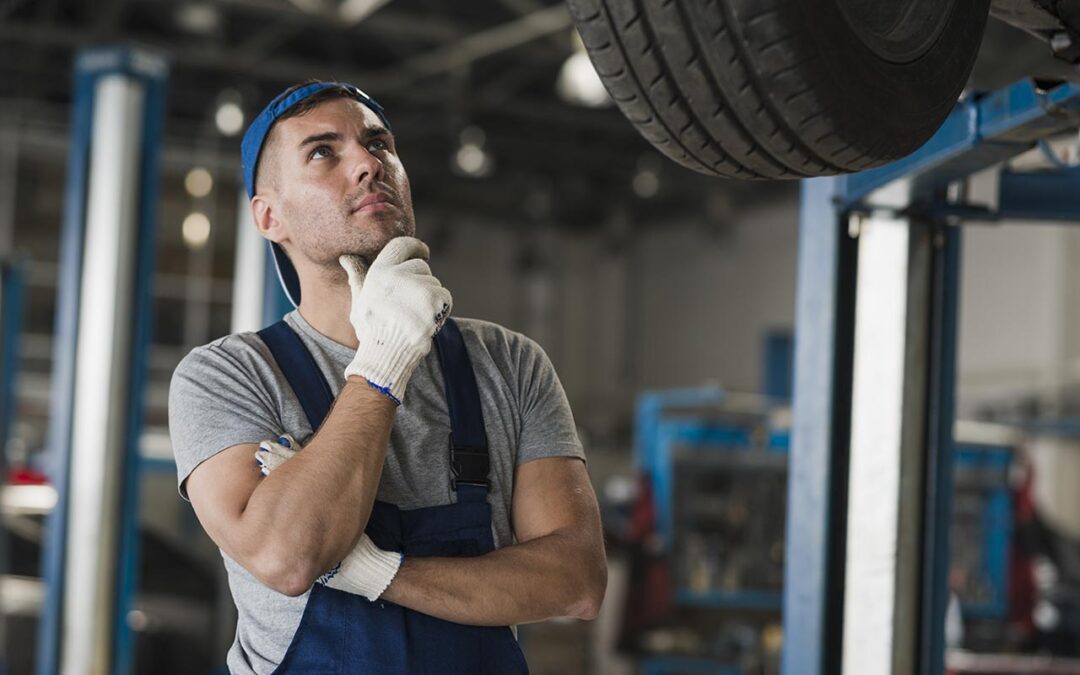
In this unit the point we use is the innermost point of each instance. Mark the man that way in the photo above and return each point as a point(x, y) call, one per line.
point(444, 496)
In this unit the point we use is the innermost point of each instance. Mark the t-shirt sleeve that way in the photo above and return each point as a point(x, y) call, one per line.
point(214, 404)
point(547, 423)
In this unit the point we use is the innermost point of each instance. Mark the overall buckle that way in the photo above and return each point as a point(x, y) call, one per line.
point(469, 466)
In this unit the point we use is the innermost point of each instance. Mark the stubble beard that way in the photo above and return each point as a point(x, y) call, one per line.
point(365, 242)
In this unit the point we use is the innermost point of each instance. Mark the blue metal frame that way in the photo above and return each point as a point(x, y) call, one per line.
point(695, 433)
point(650, 409)
point(940, 461)
point(669, 420)
point(63, 378)
point(997, 517)
point(684, 665)
point(155, 84)
point(12, 287)
point(152, 72)
point(982, 130)
point(717, 599)
point(11, 313)
point(692, 433)
point(779, 362)
point(817, 472)
point(997, 527)
point(157, 465)
point(664, 420)
point(669, 434)
point(1039, 195)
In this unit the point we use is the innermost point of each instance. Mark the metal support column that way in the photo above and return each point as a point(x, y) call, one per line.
point(817, 483)
point(869, 489)
point(11, 313)
point(940, 447)
point(881, 596)
point(103, 325)
point(868, 515)
point(250, 287)
point(12, 291)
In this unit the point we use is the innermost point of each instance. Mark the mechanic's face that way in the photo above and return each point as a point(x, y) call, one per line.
point(340, 186)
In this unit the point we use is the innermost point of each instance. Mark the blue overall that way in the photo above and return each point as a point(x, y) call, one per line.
point(345, 633)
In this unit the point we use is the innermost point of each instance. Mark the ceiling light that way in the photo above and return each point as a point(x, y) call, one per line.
point(198, 182)
point(471, 159)
point(352, 11)
point(578, 82)
point(646, 181)
point(196, 230)
point(200, 18)
point(229, 118)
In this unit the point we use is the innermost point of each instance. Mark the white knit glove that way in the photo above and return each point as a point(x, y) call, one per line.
point(397, 307)
point(368, 569)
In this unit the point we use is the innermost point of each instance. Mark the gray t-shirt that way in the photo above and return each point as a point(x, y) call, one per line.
point(231, 392)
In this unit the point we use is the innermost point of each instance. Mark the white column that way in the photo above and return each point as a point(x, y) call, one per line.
point(102, 376)
point(249, 274)
point(887, 439)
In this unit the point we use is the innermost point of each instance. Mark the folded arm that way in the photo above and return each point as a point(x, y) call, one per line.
point(299, 522)
point(290, 527)
point(557, 568)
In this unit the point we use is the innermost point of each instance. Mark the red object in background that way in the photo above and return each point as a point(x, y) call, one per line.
point(1021, 576)
point(25, 476)
point(650, 598)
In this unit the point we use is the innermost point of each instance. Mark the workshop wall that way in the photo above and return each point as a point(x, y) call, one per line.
point(619, 314)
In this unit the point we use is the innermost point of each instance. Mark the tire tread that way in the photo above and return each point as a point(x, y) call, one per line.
point(731, 95)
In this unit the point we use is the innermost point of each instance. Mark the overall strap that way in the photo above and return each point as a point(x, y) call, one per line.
point(469, 462)
point(300, 370)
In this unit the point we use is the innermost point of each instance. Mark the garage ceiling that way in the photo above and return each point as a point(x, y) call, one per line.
point(437, 66)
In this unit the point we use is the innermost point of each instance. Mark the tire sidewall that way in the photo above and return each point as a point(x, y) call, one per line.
point(898, 98)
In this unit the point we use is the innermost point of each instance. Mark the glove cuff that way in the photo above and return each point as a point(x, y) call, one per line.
point(367, 570)
point(386, 360)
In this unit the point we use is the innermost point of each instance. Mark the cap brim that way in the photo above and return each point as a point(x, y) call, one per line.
point(290, 281)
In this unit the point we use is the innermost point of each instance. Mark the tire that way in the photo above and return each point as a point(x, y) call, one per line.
point(766, 89)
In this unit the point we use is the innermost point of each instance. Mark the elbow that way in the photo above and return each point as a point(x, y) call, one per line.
point(293, 585)
point(590, 595)
point(282, 575)
point(588, 609)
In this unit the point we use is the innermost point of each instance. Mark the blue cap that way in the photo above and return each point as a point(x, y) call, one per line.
point(251, 148)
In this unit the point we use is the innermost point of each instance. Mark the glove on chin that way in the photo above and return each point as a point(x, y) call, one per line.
point(367, 570)
point(397, 308)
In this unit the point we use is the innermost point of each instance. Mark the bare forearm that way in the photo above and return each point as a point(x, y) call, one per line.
point(310, 512)
point(554, 575)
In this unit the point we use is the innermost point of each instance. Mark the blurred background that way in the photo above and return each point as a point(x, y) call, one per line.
point(665, 299)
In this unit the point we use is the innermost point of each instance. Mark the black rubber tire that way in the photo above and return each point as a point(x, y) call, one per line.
point(771, 89)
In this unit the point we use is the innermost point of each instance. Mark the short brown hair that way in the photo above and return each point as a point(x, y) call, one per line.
point(302, 108)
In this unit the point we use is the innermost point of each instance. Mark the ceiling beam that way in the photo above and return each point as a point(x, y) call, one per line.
point(290, 69)
point(474, 47)
point(389, 22)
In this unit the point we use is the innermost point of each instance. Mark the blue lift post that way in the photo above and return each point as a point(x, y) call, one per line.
point(12, 287)
point(91, 66)
point(982, 131)
point(11, 313)
point(991, 464)
point(821, 421)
